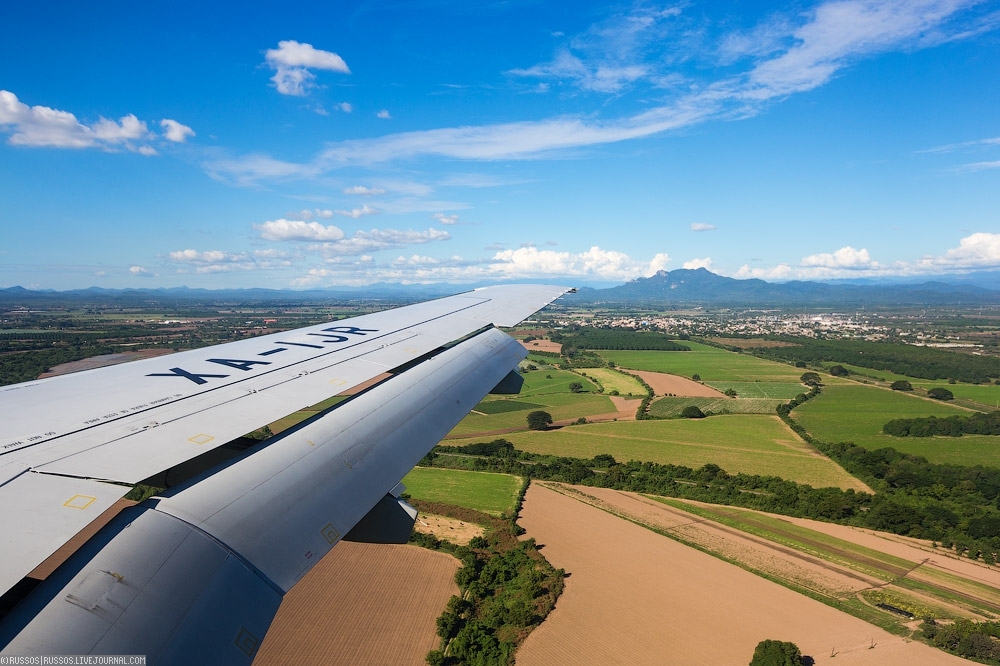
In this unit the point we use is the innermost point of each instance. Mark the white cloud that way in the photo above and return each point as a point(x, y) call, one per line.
point(612, 54)
point(127, 129)
point(139, 271)
point(356, 213)
point(363, 242)
point(702, 226)
point(219, 261)
point(594, 263)
point(698, 263)
point(446, 219)
point(364, 191)
point(952, 147)
point(298, 230)
point(43, 126)
point(779, 272)
point(845, 257)
point(793, 54)
point(977, 166)
point(292, 62)
point(383, 114)
point(979, 250)
point(175, 131)
point(346, 107)
point(307, 214)
point(148, 151)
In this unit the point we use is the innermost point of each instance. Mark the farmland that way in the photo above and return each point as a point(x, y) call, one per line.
point(756, 444)
point(857, 413)
point(490, 493)
point(711, 363)
point(664, 598)
point(672, 406)
point(612, 380)
point(363, 603)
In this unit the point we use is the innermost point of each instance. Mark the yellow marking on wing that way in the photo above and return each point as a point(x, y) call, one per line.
point(201, 439)
point(79, 501)
point(330, 533)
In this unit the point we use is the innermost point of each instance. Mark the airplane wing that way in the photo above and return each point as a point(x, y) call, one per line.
point(201, 568)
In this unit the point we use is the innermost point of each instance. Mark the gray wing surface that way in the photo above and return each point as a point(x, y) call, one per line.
point(76, 442)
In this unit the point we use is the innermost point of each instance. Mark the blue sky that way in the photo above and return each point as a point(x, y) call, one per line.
point(338, 144)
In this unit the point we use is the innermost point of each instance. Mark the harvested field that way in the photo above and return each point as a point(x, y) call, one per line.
point(612, 380)
point(543, 345)
point(450, 529)
point(363, 604)
point(662, 384)
point(636, 597)
point(102, 361)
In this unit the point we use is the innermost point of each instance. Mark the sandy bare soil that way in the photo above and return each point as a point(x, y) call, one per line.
point(663, 383)
point(363, 604)
point(456, 531)
point(635, 597)
point(102, 361)
point(543, 345)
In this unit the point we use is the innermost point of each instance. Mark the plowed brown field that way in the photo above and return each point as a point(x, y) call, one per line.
point(635, 597)
point(663, 383)
point(543, 345)
point(363, 604)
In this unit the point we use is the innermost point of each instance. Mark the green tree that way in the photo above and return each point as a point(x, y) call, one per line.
point(939, 393)
point(731, 392)
point(696, 377)
point(776, 653)
point(575, 387)
point(692, 412)
point(901, 385)
point(539, 420)
point(810, 379)
point(839, 371)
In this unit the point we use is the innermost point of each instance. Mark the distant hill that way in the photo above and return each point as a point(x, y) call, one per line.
point(701, 286)
point(682, 286)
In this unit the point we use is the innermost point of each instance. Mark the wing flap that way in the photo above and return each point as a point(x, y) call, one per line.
point(40, 512)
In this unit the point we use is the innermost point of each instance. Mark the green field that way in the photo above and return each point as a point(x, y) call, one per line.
point(774, 390)
point(987, 395)
point(672, 406)
point(486, 416)
point(750, 444)
point(612, 380)
point(537, 382)
point(857, 414)
point(483, 491)
point(711, 363)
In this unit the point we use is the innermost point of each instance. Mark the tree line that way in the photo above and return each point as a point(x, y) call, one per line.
point(950, 426)
point(588, 337)
point(923, 362)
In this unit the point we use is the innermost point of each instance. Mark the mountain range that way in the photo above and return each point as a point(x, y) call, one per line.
point(665, 288)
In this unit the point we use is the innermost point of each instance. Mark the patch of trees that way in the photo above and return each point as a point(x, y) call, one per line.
point(24, 366)
point(811, 379)
point(692, 412)
point(901, 385)
point(621, 339)
point(539, 420)
point(939, 393)
point(507, 589)
point(972, 640)
point(777, 653)
point(952, 426)
point(923, 362)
